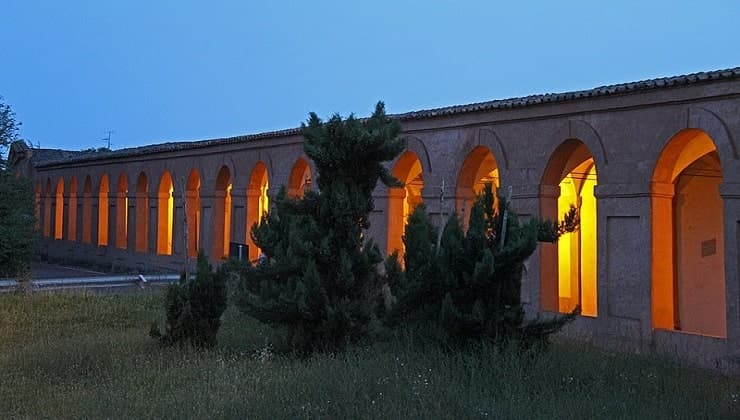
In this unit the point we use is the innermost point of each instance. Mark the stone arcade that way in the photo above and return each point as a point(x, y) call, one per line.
point(653, 167)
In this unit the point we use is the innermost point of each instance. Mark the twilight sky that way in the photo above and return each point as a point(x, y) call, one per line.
point(155, 71)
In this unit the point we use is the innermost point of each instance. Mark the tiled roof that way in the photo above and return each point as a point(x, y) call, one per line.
point(43, 156)
point(53, 157)
point(650, 84)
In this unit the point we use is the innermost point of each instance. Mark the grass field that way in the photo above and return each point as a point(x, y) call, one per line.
point(89, 356)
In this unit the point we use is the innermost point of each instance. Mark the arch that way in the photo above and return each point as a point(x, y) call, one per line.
point(59, 210)
point(87, 210)
point(300, 179)
point(103, 209)
point(222, 214)
point(687, 219)
point(478, 169)
point(417, 146)
point(402, 201)
point(142, 213)
point(489, 138)
point(47, 208)
point(192, 203)
point(72, 210)
point(122, 212)
point(568, 268)
point(257, 203)
point(165, 214)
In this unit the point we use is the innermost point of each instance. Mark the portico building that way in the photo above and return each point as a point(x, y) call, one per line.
point(653, 168)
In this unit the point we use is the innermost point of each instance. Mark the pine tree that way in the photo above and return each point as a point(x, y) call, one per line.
point(194, 308)
point(471, 286)
point(319, 280)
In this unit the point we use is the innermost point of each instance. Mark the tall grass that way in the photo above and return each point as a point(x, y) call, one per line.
point(83, 355)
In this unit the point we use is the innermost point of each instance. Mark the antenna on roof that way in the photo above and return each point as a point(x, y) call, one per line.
point(107, 138)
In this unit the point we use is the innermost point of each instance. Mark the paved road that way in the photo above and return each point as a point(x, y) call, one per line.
point(56, 277)
point(41, 271)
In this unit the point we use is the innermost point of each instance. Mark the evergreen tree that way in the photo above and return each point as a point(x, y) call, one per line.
point(194, 308)
point(471, 286)
point(8, 130)
point(17, 232)
point(319, 281)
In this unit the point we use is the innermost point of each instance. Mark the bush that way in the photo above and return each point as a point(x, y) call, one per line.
point(469, 285)
point(194, 308)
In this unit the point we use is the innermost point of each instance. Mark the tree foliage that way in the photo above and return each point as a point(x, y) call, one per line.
point(194, 308)
point(470, 285)
point(319, 281)
point(8, 130)
point(17, 225)
point(17, 221)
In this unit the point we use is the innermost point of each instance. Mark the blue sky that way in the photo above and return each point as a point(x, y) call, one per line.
point(155, 71)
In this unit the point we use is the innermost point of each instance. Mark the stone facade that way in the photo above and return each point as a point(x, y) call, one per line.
point(648, 147)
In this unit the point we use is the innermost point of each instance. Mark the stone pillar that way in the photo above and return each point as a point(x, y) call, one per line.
point(94, 219)
point(206, 223)
point(72, 216)
point(220, 229)
point(730, 193)
point(120, 226)
point(112, 219)
point(192, 198)
point(179, 247)
point(662, 261)
point(548, 290)
point(464, 200)
point(65, 216)
point(253, 197)
point(624, 270)
point(395, 220)
point(239, 228)
point(141, 224)
point(153, 223)
point(525, 202)
point(133, 203)
point(80, 216)
point(53, 217)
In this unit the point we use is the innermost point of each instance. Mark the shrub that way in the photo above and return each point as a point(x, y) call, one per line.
point(194, 308)
point(469, 284)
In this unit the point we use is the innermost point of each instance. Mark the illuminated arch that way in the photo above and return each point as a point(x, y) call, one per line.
point(122, 212)
point(300, 179)
point(478, 169)
point(568, 270)
point(87, 211)
point(47, 208)
point(59, 210)
point(142, 213)
point(688, 277)
point(192, 203)
point(257, 203)
point(402, 201)
point(165, 214)
point(72, 210)
point(222, 214)
point(103, 208)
